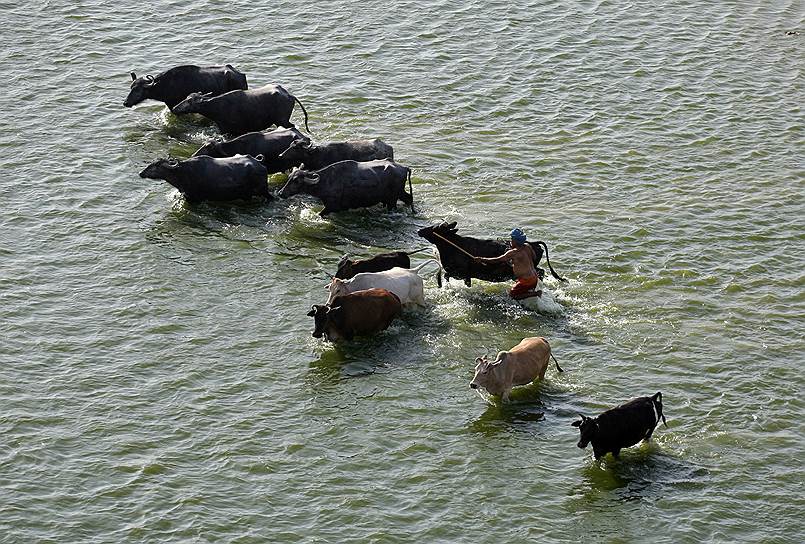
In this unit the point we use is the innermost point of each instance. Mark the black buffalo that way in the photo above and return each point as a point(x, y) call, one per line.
point(458, 264)
point(267, 144)
point(206, 178)
point(347, 267)
point(239, 112)
point(174, 85)
point(316, 157)
point(622, 426)
point(347, 185)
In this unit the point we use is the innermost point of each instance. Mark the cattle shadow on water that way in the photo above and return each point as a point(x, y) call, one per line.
point(642, 472)
point(527, 405)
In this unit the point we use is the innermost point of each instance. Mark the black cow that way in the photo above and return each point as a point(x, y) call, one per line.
point(622, 426)
point(316, 157)
point(459, 265)
point(347, 267)
point(239, 112)
point(361, 313)
point(267, 144)
point(206, 178)
point(347, 185)
point(174, 85)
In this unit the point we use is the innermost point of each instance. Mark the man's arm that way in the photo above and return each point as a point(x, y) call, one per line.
point(505, 257)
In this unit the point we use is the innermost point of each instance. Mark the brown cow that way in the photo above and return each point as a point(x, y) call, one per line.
point(357, 314)
point(520, 365)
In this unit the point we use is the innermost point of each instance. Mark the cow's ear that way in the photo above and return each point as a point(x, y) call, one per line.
point(657, 397)
point(576, 424)
point(312, 179)
point(452, 225)
point(312, 312)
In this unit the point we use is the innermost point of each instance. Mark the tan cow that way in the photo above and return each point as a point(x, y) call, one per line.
point(521, 365)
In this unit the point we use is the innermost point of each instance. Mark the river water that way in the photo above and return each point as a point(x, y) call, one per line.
point(159, 382)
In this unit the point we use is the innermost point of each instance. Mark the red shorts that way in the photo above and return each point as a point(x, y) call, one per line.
point(523, 286)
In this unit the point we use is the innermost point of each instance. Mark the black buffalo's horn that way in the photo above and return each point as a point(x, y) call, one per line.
point(133, 76)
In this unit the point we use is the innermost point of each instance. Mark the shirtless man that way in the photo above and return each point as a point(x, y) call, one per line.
point(521, 256)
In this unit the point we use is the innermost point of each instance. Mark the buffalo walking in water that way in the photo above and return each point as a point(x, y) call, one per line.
point(239, 112)
point(206, 178)
point(174, 85)
point(268, 144)
point(316, 157)
point(348, 185)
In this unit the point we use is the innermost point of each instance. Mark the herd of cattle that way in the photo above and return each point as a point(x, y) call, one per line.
point(365, 296)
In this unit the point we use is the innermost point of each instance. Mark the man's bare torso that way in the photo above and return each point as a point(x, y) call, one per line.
point(522, 261)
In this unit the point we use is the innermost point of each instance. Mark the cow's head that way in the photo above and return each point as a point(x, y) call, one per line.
point(588, 428)
point(337, 288)
point(160, 168)
point(211, 149)
point(322, 317)
point(298, 151)
point(344, 269)
point(299, 181)
point(140, 89)
point(319, 315)
point(485, 371)
point(443, 229)
point(193, 103)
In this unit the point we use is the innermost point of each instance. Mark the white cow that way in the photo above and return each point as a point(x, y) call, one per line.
point(403, 282)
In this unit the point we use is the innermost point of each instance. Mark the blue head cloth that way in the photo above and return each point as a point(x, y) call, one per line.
point(519, 236)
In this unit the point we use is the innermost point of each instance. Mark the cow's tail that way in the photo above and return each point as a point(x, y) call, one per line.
point(559, 368)
point(548, 260)
point(305, 112)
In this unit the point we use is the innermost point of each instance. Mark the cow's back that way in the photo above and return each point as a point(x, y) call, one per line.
point(627, 424)
point(530, 358)
point(228, 178)
point(180, 81)
point(400, 281)
point(378, 263)
point(368, 311)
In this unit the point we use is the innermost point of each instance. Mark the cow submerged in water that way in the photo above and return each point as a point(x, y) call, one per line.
point(206, 178)
point(174, 85)
point(268, 144)
point(459, 265)
point(622, 426)
point(348, 185)
point(357, 314)
point(316, 157)
point(239, 112)
point(521, 365)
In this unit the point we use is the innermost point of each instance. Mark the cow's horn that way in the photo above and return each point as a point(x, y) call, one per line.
point(133, 76)
point(150, 78)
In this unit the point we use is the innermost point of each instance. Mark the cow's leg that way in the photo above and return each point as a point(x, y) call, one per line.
point(616, 453)
point(325, 212)
point(505, 396)
point(648, 434)
point(468, 282)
